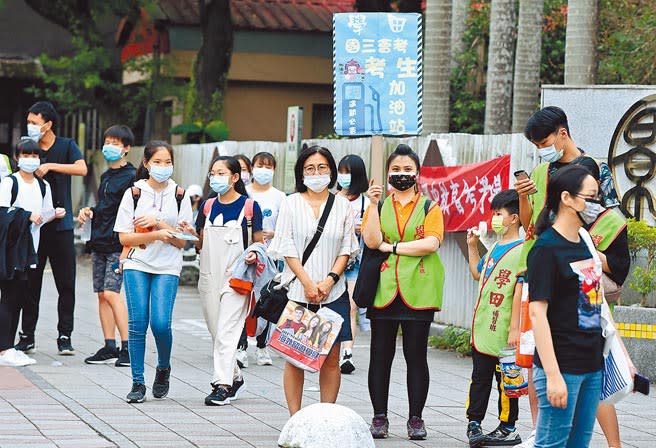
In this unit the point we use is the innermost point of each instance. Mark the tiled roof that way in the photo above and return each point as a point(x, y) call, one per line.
point(270, 15)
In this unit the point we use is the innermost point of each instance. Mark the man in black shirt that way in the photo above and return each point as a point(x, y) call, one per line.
point(60, 159)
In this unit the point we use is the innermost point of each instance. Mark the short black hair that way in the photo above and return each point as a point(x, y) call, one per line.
point(508, 200)
point(246, 160)
point(27, 146)
point(265, 157)
point(403, 150)
point(300, 162)
point(545, 122)
point(120, 132)
point(46, 110)
point(359, 181)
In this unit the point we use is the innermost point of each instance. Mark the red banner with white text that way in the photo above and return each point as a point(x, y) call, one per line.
point(464, 192)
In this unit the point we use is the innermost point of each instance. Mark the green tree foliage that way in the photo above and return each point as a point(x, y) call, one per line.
point(626, 42)
point(642, 241)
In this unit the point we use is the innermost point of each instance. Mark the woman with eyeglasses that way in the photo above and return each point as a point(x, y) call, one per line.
point(565, 310)
point(410, 228)
point(320, 281)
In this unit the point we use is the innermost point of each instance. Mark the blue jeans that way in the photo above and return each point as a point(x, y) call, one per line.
point(570, 427)
point(150, 298)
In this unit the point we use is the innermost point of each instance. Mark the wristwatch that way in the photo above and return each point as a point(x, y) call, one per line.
point(334, 276)
point(394, 247)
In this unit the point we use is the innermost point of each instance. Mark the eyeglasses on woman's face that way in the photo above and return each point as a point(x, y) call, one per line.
point(311, 170)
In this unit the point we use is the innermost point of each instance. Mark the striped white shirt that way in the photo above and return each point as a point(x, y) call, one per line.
point(294, 230)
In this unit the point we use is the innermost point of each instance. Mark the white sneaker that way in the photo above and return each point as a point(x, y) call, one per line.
point(263, 357)
point(242, 358)
point(14, 358)
point(530, 442)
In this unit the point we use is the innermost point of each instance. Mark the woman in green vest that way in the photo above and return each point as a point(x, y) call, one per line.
point(410, 228)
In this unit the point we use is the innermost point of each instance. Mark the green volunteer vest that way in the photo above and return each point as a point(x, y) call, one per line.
point(606, 228)
point(538, 200)
point(419, 280)
point(493, 311)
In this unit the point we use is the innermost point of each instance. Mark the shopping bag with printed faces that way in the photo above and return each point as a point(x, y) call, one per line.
point(305, 338)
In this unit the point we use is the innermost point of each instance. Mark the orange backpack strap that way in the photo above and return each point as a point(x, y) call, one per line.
point(248, 211)
point(207, 208)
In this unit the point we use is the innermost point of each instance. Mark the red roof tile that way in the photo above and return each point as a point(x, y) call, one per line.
point(270, 15)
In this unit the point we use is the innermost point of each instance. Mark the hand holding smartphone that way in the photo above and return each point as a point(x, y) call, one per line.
point(522, 175)
point(640, 384)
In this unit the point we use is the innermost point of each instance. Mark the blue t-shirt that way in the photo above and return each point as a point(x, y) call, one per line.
point(230, 212)
point(498, 252)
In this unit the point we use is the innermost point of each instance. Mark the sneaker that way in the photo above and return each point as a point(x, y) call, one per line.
point(263, 357)
point(64, 346)
point(242, 358)
point(25, 344)
point(379, 427)
point(14, 358)
point(123, 359)
point(161, 383)
point(416, 429)
point(475, 434)
point(530, 442)
point(220, 396)
point(346, 364)
point(106, 355)
point(502, 436)
point(238, 388)
point(137, 394)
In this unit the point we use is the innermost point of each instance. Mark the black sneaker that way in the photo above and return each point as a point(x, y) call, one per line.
point(106, 355)
point(502, 436)
point(64, 346)
point(137, 394)
point(379, 427)
point(238, 388)
point(346, 365)
point(123, 359)
point(220, 396)
point(161, 383)
point(475, 434)
point(25, 344)
point(416, 429)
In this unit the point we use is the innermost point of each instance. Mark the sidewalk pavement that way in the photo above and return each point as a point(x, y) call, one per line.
point(62, 402)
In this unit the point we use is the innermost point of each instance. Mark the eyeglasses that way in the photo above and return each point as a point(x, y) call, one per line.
point(211, 173)
point(592, 199)
point(321, 169)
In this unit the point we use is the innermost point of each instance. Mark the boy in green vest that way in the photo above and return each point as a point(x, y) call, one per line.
point(495, 325)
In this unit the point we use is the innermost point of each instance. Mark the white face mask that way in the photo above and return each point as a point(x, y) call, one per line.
point(590, 213)
point(34, 132)
point(246, 177)
point(317, 183)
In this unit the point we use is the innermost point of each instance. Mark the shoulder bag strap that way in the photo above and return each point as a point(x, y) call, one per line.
point(322, 222)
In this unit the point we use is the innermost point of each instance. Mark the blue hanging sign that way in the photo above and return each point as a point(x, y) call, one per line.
point(377, 72)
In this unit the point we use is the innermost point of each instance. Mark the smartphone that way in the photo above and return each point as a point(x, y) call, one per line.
point(641, 384)
point(521, 175)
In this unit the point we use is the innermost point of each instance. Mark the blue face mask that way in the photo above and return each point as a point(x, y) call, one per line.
point(262, 176)
point(34, 132)
point(112, 153)
point(549, 154)
point(161, 173)
point(220, 184)
point(344, 180)
point(29, 164)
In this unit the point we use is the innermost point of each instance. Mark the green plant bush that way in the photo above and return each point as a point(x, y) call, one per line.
point(454, 339)
point(642, 240)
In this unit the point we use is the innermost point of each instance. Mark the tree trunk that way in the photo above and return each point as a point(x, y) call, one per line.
point(581, 42)
point(437, 72)
point(526, 89)
point(458, 27)
point(498, 92)
point(213, 59)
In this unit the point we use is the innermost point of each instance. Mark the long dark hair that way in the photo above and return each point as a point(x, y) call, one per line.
point(570, 179)
point(247, 161)
point(235, 168)
point(149, 151)
point(300, 163)
point(359, 181)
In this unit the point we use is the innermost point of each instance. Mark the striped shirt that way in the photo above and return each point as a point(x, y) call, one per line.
point(294, 230)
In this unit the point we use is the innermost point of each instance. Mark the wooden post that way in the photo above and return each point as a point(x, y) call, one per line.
point(377, 170)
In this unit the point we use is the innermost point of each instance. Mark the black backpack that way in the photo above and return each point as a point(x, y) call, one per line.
point(14, 188)
point(179, 195)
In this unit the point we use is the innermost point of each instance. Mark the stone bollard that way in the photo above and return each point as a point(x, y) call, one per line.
point(325, 425)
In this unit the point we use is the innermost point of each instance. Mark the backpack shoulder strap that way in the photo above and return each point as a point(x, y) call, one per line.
point(136, 194)
point(427, 206)
point(14, 189)
point(179, 196)
point(207, 207)
point(248, 211)
point(42, 186)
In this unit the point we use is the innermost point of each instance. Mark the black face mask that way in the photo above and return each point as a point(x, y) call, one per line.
point(402, 181)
